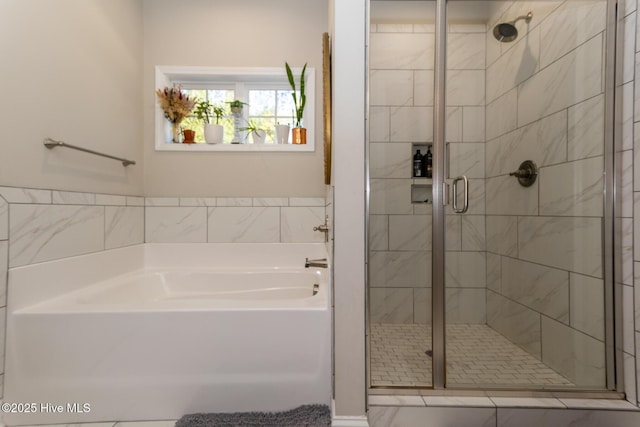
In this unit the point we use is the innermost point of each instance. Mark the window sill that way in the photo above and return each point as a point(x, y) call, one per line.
point(235, 147)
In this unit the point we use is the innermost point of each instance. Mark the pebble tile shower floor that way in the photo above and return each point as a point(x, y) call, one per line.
point(476, 354)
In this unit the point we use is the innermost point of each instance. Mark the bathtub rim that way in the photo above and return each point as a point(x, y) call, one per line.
point(71, 302)
point(35, 283)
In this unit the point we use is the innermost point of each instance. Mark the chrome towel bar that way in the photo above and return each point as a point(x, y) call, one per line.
point(51, 143)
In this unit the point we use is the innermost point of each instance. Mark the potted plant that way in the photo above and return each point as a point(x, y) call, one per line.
point(282, 134)
point(176, 105)
point(236, 106)
point(298, 133)
point(189, 136)
point(236, 110)
point(257, 133)
point(213, 132)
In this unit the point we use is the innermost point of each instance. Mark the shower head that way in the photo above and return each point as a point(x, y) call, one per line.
point(507, 32)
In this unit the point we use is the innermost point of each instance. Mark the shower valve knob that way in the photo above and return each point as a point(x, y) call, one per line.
point(522, 173)
point(526, 173)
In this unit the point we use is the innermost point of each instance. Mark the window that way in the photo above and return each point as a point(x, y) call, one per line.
point(218, 97)
point(265, 90)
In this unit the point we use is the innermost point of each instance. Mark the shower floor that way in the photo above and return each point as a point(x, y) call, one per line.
point(476, 355)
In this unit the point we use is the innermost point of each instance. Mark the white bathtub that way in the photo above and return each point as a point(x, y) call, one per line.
point(156, 331)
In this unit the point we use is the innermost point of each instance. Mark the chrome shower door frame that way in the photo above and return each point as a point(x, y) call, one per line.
point(440, 193)
point(613, 302)
point(613, 315)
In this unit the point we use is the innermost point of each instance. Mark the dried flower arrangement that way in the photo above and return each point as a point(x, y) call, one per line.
point(176, 104)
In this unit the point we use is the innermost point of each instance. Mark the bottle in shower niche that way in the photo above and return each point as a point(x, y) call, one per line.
point(418, 165)
point(428, 163)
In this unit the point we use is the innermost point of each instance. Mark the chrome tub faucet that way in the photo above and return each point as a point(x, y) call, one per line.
point(321, 263)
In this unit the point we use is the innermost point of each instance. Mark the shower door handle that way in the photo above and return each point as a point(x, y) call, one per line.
point(465, 204)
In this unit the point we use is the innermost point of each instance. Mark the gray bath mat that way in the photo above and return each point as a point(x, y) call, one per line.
point(302, 416)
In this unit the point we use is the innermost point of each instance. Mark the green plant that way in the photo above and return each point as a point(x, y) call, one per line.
point(236, 104)
point(299, 103)
point(252, 127)
point(218, 112)
point(205, 110)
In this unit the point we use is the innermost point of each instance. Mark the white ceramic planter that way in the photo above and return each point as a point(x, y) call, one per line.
point(282, 134)
point(213, 134)
point(258, 136)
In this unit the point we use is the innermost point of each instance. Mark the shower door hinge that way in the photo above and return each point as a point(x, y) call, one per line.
point(445, 194)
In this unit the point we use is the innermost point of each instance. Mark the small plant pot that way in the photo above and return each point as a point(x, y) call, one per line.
point(189, 136)
point(282, 134)
point(299, 135)
point(258, 136)
point(213, 134)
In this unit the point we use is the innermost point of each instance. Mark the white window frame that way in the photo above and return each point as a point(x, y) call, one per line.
point(166, 76)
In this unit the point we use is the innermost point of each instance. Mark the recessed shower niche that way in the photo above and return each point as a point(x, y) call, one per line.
point(422, 172)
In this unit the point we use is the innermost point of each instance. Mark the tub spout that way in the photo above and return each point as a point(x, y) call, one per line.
point(322, 263)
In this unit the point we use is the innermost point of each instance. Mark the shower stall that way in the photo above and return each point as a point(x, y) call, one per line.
point(495, 270)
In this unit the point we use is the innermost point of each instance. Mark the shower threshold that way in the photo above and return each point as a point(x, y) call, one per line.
point(477, 357)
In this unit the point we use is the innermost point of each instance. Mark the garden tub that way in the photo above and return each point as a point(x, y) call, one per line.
point(156, 331)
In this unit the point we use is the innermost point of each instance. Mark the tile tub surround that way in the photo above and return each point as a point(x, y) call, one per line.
point(42, 225)
point(234, 220)
point(401, 109)
point(45, 225)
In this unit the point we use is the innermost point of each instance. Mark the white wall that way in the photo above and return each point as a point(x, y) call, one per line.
point(247, 33)
point(348, 177)
point(71, 70)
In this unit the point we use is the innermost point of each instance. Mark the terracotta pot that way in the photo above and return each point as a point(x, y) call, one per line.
point(299, 136)
point(189, 136)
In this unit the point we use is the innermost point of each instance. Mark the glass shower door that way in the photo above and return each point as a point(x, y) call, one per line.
point(400, 116)
point(524, 276)
point(486, 269)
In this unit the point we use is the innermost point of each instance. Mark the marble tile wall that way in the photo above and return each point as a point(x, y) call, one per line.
point(234, 220)
point(401, 109)
point(42, 225)
point(45, 225)
point(544, 242)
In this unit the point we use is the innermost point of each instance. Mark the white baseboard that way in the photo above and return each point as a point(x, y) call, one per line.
point(347, 421)
point(351, 422)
